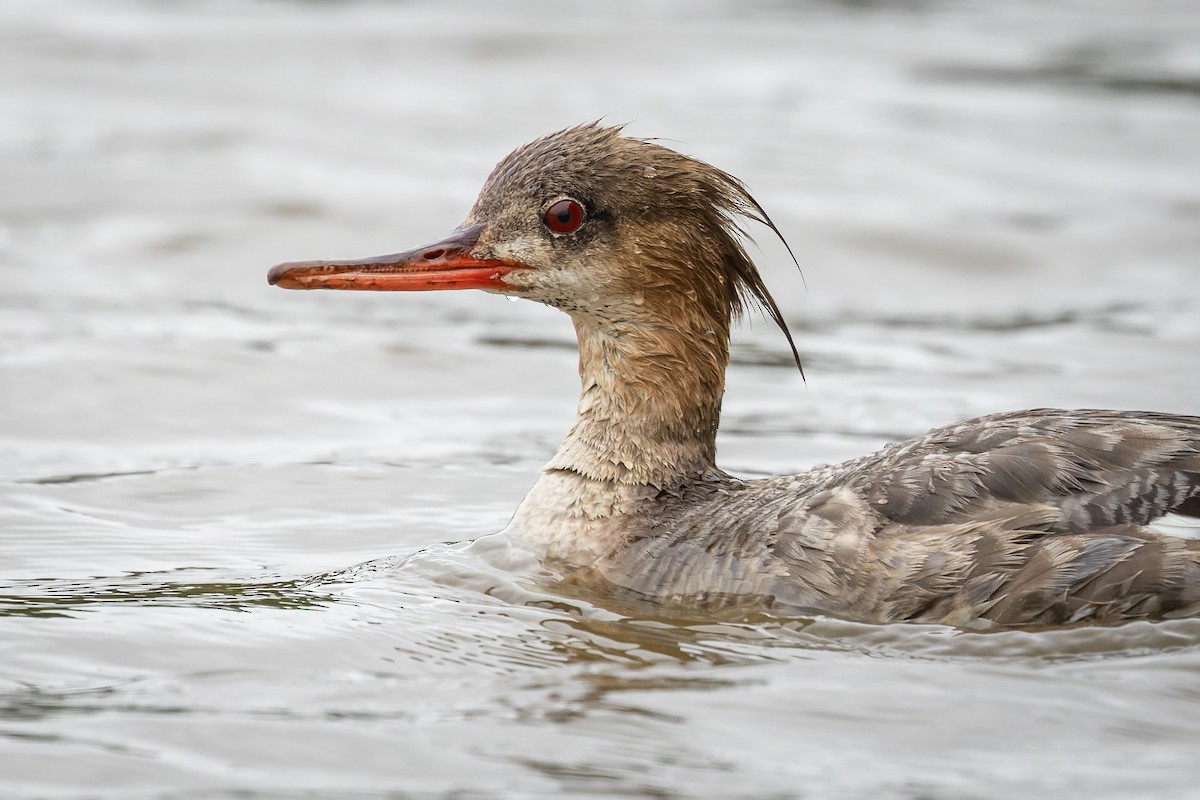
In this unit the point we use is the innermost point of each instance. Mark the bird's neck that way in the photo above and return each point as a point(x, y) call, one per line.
point(650, 400)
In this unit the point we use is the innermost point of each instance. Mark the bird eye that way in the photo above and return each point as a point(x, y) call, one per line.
point(565, 216)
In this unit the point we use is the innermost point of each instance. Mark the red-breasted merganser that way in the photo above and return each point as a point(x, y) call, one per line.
point(1019, 518)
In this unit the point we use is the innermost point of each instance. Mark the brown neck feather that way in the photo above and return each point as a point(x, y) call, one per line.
point(651, 394)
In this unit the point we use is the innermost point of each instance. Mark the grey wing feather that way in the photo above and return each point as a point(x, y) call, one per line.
point(1098, 468)
point(1034, 517)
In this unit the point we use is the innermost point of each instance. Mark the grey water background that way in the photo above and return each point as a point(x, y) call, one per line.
point(236, 522)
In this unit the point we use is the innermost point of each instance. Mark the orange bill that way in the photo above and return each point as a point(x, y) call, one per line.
point(445, 264)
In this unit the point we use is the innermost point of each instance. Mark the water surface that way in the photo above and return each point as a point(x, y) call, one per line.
point(245, 544)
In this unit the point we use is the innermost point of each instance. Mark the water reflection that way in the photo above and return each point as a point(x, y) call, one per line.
point(72, 597)
point(471, 604)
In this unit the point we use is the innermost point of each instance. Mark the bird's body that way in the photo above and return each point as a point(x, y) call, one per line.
point(1031, 517)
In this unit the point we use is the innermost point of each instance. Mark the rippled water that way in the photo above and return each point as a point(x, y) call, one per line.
point(244, 547)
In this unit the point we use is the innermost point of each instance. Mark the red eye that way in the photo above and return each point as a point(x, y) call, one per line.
point(565, 216)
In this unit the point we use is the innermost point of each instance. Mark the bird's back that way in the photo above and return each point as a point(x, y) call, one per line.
point(1037, 517)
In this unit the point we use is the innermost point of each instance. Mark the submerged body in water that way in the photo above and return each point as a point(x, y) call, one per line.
point(1039, 516)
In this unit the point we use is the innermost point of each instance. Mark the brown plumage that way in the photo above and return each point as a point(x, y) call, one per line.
point(1036, 517)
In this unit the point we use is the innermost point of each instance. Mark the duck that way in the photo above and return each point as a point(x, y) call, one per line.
point(1042, 517)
